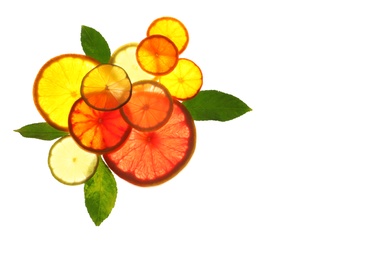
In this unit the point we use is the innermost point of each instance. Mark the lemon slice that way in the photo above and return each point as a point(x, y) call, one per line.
point(69, 163)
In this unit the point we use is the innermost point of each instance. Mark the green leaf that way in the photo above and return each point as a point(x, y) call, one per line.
point(94, 44)
point(100, 193)
point(215, 105)
point(42, 131)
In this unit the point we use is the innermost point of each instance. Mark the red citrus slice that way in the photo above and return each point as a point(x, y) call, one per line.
point(157, 55)
point(106, 87)
point(95, 130)
point(150, 106)
point(152, 158)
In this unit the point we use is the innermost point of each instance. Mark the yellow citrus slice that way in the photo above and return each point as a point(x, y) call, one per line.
point(171, 28)
point(125, 57)
point(69, 163)
point(185, 81)
point(95, 130)
point(150, 106)
point(106, 87)
point(57, 87)
point(157, 55)
point(151, 158)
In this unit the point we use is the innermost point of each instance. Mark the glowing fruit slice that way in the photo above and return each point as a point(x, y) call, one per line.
point(185, 81)
point(151, 158)
point(57, 87)
point(106, 87)
point(150, 106)
point(124, 57)
point(95, 130)
point(157, 55)
point(69, 163)
point(171, 28)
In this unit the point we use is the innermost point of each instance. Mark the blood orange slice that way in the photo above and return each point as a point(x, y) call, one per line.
point(150, 106)
point(95, 130)
point(152, 158)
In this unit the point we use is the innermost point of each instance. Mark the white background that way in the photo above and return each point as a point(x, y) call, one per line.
point(305, 175)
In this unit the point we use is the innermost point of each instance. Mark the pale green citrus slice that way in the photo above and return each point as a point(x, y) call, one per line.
point(57, 87)
point(157, 55)
point(185, 81)
point(125, 57)
point(69, 163)
point(106, 87)
point(171, 28)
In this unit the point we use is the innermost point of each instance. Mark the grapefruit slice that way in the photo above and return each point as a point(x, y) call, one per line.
point(152, 158)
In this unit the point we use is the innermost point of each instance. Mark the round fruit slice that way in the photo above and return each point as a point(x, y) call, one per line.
point(106, 87)
point(69, 163)
point(57, 87)
point(125, 57)
point(157, 55)
point(150, 106)
point(185, 81)
point(95, 130)
point(171, 28)
point(151, 158)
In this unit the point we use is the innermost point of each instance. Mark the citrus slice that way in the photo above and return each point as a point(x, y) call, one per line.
point(95, 130)
point(125, 57)
point(151, 158)
point(150, 106)
point(157, 55)
point(171, 28)
point(57, 87)
point(106, 87)
point(185, 81)
point(69, 163)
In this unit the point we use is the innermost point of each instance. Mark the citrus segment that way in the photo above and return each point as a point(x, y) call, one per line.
point(106, 87)
point(69, 163)
point(95, 130)
point(150, 106)
point(157, 55)
point(125, 57)
point(171, 28)
point(151, 158)
point(185, 81)
point(57, 87)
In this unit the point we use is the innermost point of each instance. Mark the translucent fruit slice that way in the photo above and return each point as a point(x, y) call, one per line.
point(157, 55)
point(57, 87)
point(95, 130)
point(185, 81)
point(171, 28)
point(125, 57)
point(69, 163)
point(151, 158)
point(150, 106)
point(106, 87)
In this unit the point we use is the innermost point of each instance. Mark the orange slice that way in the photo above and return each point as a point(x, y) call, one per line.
point(95, 130)
point(151, 158)
point(157, 55)
point(106, 87)
point(125, 57)
point(150, 106)
point(171, 28)
point(185, 81)
point(69, 163)
point(57, 87)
